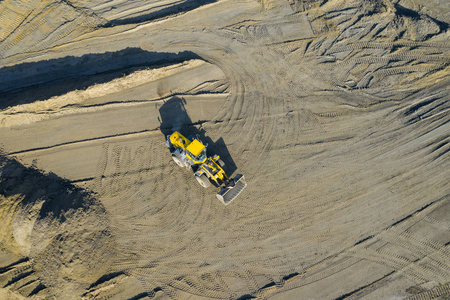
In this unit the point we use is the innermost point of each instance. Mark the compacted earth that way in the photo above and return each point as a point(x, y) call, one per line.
point(336, 112)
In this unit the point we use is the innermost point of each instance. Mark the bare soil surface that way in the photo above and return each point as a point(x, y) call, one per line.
point(336, 112)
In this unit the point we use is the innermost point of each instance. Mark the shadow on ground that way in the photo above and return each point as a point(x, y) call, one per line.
point(174, 117)
point(184, 6)
point(58, 194)
point(56, 223)
point(29, 82)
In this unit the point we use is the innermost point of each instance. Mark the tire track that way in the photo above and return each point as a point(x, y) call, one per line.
point(171, 238)
point(50, 24)
point(434, 293)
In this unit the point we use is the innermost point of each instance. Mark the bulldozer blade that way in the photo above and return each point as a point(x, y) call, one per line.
point(229, 193)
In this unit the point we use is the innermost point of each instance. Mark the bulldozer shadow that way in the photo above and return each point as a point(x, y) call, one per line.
point(174, 117)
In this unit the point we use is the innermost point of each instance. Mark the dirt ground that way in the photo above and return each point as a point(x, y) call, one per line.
point(336, 112)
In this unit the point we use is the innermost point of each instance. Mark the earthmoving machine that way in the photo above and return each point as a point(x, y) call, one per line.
point(191, 153)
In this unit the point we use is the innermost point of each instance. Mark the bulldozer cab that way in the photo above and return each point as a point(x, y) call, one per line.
point(196, 151)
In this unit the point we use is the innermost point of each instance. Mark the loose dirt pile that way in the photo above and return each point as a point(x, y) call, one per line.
point(337, 113)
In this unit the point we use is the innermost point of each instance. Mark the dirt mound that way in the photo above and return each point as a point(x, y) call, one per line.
point(53, 226)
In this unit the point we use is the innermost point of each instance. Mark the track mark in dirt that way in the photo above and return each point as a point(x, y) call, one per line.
point(367, 288)
point(83, 141)
point(314, 120)
point(437, 292)
point(51, 24)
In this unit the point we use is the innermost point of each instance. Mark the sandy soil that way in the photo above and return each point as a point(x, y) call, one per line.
point(336, 112)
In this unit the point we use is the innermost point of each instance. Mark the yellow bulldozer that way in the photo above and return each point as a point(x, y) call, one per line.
point(191, 153)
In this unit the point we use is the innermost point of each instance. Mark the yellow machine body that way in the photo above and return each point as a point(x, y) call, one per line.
point(179, 141)
point(194, 149)
point(192, 153)
point(214, 171)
